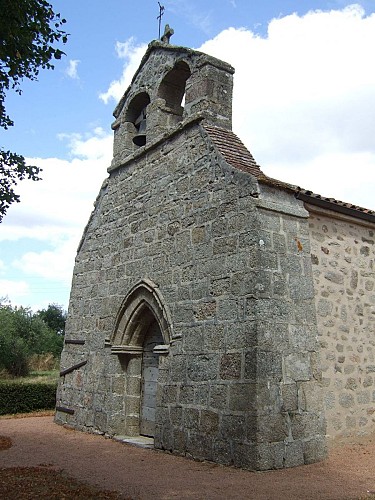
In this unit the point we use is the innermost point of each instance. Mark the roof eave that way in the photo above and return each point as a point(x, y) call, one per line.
point(328, 205)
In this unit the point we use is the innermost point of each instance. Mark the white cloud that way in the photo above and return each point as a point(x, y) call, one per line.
point(346, 177)
point(304, 99)
point(72, 70)
point(55, 264)
point(54, 213)
point(58, 204)
point(132, 54)
point(15, 289)
point(96, 145)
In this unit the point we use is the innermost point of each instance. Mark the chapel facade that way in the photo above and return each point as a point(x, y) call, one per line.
point(221, 314)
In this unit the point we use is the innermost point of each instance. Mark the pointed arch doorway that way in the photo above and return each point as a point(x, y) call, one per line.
point(141, 337)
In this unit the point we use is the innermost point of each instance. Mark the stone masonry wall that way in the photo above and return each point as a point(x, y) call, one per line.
point(241, 382)
point(174, 216)
point(221, 262)
point(247, 387)
point(138, 230)
point(287, 335)
point(343, 260)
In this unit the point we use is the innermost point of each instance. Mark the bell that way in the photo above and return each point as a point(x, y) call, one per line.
point(140, 123)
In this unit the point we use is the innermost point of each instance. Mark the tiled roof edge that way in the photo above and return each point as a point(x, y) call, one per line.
point(233, 150)
point(336, 205)
point(322, 201)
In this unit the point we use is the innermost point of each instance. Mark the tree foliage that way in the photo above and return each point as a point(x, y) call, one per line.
point(55, 317)
point(29, 32)
point(23, 333)
point(13, 168)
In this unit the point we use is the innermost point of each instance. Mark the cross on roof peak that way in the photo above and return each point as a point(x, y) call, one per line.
point(168, 32)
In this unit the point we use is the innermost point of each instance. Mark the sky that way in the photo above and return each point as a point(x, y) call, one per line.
point(304, 105)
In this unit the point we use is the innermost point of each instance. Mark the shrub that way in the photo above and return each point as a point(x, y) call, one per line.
point(24, 398)
point(13, 355)
point(43, 362)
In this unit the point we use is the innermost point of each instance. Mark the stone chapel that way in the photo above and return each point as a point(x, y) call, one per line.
point(215, 312)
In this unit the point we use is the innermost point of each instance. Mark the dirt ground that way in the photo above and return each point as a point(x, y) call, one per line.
point(149, 474)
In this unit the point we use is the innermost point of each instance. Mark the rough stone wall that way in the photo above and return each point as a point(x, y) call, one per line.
point(240, 384)
point(246, 390)
point(239, 381)
point(287, 347)
point(139, 229)
point(343, 260)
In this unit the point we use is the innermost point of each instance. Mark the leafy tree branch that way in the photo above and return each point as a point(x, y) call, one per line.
point(30, 35)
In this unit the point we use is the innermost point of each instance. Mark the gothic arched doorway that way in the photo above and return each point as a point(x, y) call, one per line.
point(142, 333)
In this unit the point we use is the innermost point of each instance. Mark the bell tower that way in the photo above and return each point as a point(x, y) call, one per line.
point(173, 85)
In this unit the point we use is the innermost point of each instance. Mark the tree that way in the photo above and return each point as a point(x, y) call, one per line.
point(13, 345)
point(24, 333)
point(29, 30)
point(55, 317)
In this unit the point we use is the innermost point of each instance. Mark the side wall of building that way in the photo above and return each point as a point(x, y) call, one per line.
point(247, 387)
point(343, 260)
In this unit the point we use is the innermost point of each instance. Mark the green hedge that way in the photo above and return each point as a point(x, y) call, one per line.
point(25, 398)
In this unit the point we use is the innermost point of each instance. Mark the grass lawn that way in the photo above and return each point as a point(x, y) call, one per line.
point(35, 377)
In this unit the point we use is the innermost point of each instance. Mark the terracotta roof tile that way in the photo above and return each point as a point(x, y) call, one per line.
point(233, 150)
point(317, 198)
point(237, 155)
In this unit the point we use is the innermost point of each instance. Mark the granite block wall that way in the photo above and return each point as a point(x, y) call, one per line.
point(241, 382)
point(227, 259)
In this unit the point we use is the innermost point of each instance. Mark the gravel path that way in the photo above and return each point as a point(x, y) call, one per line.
point(149, 474)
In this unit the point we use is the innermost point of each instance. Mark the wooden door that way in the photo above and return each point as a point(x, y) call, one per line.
point(150, 371)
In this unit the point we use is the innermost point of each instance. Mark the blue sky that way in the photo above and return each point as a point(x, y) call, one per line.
point(304, 105)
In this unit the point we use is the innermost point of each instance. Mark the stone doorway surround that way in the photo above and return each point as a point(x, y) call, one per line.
point(142, 333)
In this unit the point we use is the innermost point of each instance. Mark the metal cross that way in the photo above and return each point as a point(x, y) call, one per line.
point(161, 13)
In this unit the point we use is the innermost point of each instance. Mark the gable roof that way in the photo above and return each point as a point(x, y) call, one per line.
point(238, 156)
point(321, 201)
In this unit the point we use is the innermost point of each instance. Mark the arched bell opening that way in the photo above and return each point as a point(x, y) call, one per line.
point(136, 114)
point(172, 88)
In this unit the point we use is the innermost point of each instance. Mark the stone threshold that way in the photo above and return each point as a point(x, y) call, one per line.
point(140, 441)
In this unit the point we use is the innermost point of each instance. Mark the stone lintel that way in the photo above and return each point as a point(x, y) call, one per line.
point(126, 349)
